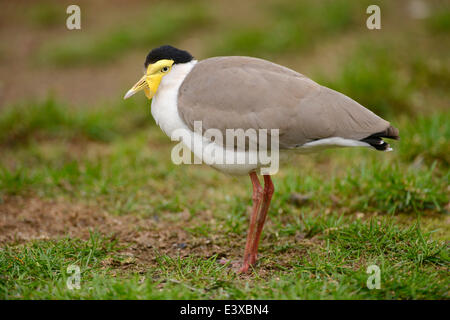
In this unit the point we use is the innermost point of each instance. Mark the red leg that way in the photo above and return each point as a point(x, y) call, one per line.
point(267, 197)
point(257, 199)
point(261, 202)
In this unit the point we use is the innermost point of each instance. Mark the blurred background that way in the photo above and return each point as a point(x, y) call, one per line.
point(74, 156)
point(402, 68)
point(61, 90)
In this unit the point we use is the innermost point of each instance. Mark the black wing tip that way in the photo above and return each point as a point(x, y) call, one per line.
point(376, 141)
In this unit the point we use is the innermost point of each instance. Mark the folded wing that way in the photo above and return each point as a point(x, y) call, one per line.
point(243, 93)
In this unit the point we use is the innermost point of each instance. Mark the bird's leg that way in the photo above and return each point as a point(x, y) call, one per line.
point(257, 199)
point(261, 203)
point(267, 196)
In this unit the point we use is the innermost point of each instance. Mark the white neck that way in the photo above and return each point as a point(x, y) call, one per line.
point(164, 103)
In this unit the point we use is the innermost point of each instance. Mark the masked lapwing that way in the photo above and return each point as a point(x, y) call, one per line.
point(244, 94)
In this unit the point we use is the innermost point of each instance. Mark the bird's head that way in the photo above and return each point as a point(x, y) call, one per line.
point(159, 62)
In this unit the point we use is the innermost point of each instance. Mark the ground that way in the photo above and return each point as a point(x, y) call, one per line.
point(86, 178)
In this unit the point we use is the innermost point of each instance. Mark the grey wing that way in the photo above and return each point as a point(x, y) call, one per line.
point(243, 93)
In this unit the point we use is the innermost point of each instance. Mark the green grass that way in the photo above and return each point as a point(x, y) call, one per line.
point(413, 267)
point(288, 27)
point(40, 268)
point(122, 131)
point(371, 74)
point(125, 175)
point(46, 14)
point(439, 21)
point(52, 119)
point(159, 24)
point(428, 140)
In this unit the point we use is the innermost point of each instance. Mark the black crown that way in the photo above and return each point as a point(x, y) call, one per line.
point(167, 52)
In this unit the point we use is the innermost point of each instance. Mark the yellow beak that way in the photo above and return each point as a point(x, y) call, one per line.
point(140, 85)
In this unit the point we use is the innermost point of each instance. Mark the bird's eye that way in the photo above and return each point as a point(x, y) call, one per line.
point(165, 69)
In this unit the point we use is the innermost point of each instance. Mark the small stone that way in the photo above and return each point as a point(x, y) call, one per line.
point(181, 245)
point(299, 199)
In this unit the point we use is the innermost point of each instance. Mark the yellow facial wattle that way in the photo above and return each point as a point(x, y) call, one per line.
point(152, 79)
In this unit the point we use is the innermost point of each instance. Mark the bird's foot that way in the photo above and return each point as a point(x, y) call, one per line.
point(248, 264)
point(244, 269)
point(240, 268)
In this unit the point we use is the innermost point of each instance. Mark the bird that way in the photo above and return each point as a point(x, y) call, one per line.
point(243, 93)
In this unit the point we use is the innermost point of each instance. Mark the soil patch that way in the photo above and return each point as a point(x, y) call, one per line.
point(25, 219)
point(33, 218)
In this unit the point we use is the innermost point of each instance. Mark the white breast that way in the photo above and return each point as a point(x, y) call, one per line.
point(164, 103)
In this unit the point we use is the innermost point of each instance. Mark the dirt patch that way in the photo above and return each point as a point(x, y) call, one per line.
point(25, 219)
point(32, 218)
